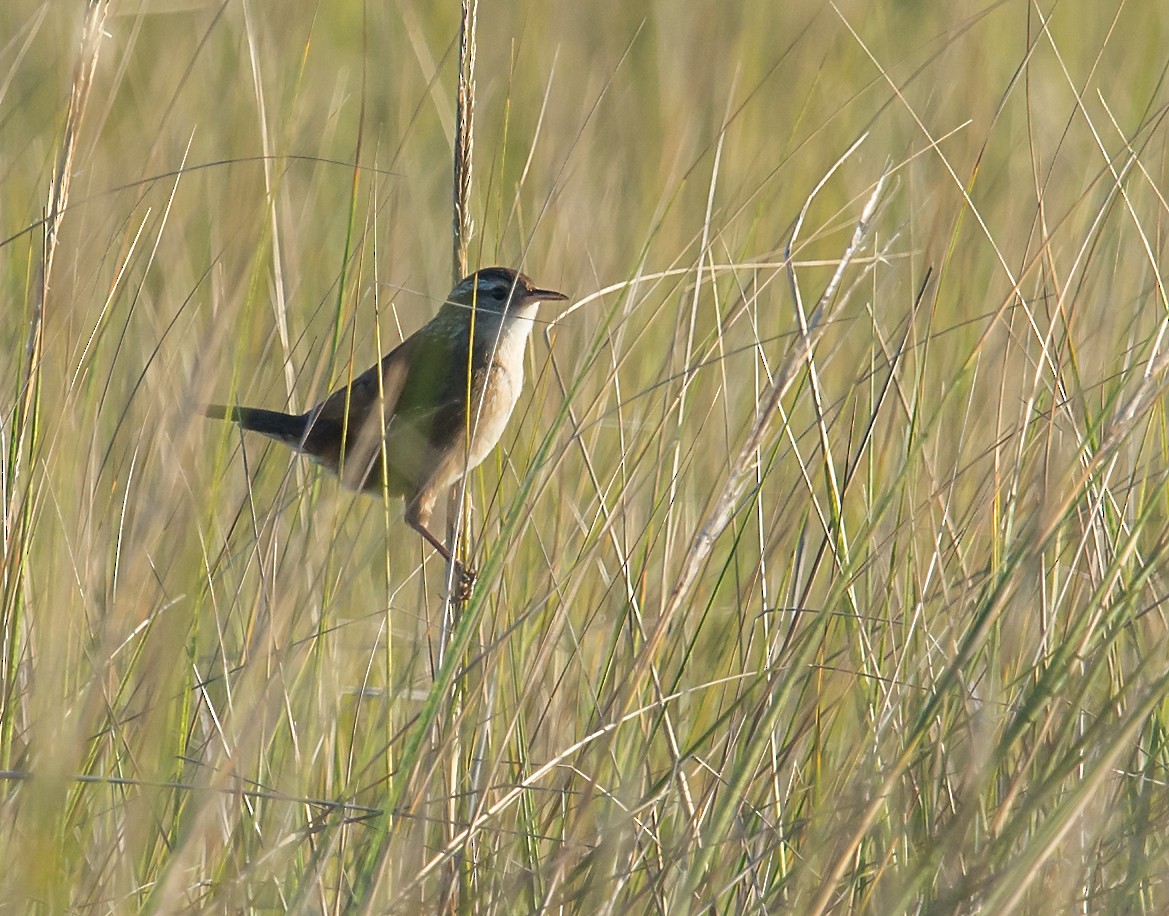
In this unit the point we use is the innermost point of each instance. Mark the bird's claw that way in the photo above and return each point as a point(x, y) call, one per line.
point(464, 582)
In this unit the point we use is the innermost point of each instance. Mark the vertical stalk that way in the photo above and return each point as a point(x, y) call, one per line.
point(458, 880)
point(464, 141)
point(461, 228)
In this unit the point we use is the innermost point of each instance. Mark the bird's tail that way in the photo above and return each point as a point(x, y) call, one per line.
point(285, 427)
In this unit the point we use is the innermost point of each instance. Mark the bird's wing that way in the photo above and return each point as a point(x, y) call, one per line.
point(350, 416)
point(426, 426)
point(352, 404)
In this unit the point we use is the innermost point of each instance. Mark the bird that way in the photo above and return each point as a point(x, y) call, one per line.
point(430, 411)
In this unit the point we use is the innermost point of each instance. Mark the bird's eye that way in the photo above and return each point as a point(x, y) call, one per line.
point(498, 293)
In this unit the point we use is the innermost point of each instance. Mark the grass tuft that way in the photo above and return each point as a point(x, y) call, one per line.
point(821, 566)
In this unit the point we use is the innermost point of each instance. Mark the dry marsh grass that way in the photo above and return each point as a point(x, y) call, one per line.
point(821, 563)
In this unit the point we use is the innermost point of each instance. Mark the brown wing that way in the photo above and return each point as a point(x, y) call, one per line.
point(348, 418)
point(424, 434)
point(410, 422)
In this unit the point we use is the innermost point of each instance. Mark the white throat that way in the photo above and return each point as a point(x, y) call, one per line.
point(507, 335)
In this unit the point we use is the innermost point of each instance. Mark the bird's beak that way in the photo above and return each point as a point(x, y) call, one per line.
point(547, 295)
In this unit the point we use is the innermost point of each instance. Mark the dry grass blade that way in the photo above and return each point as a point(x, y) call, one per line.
point(739, 476)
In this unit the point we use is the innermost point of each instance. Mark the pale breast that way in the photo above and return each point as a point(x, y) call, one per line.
point(504, 384)
point(499, 400)
point(501, 390)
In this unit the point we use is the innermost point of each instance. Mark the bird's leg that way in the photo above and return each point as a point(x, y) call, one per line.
point(417, 516)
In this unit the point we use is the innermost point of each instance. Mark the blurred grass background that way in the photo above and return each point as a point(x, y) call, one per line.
point(921, 670)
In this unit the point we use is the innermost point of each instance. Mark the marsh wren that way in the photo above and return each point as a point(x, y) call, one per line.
point(416, 423)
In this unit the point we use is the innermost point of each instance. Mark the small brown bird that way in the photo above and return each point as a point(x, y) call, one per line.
point(415, 423)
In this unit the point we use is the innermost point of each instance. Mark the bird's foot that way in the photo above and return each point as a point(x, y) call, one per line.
point(464, 582)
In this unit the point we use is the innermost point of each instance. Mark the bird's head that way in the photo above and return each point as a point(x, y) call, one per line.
point(500, 290)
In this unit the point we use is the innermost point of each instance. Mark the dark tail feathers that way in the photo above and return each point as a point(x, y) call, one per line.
point(284, 427)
